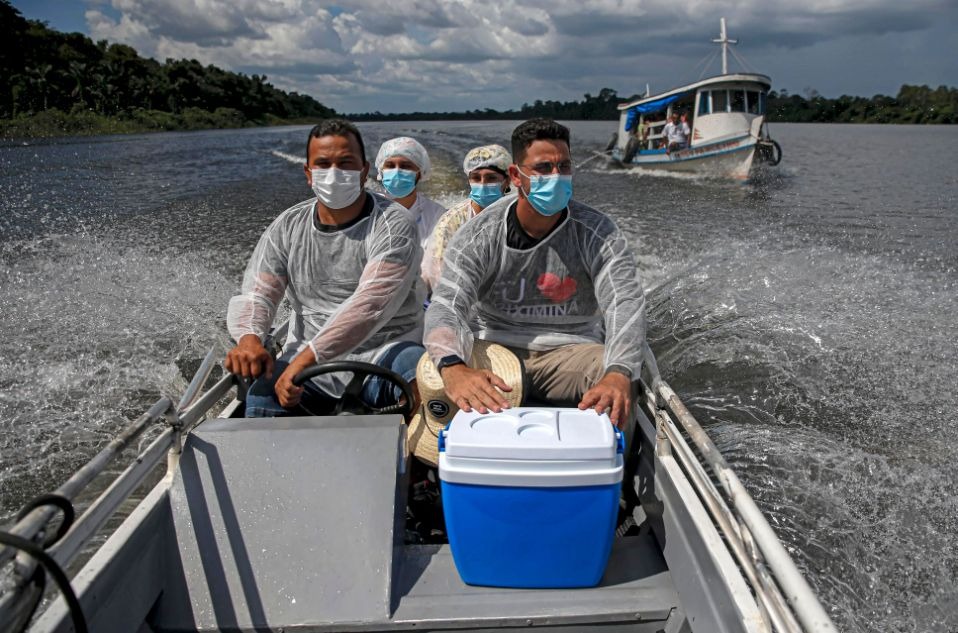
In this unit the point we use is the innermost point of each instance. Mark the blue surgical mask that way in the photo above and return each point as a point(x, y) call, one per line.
point(484, 195)
point(399, 183)
point(549, 194)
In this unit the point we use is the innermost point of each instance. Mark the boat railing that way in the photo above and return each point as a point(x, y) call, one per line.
point(784, 597)
point(40, 540)
point(59, 546)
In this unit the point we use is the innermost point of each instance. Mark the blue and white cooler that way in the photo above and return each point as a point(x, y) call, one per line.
point(531, 496)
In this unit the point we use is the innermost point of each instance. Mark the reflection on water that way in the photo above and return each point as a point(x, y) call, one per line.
point(807, 317)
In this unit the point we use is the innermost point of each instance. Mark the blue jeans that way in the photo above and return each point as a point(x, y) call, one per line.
point(402, 358)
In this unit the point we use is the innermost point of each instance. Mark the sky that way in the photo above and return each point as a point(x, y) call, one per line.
point(454, 55)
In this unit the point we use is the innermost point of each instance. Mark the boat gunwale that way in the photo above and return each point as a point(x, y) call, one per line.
point(684, 159)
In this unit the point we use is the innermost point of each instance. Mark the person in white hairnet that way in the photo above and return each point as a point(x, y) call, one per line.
point(487, 168)
point(551, 279)
point(348, 263)
point(402, 164)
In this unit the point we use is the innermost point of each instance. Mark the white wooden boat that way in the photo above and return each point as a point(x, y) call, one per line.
point(296, 524)
point(726, 116)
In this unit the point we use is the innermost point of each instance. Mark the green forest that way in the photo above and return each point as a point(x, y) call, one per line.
point(914, 104)
point(54, 83)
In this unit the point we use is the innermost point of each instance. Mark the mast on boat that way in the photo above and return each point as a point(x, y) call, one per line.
point(724, 41)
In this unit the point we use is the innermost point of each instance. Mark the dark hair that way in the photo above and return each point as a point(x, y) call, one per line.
point(536, 130)
point(336, 127)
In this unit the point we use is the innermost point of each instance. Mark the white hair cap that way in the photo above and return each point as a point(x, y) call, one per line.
point(408, 148)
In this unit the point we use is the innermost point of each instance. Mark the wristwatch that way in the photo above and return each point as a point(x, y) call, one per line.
point(447, 361)
point(619, 369)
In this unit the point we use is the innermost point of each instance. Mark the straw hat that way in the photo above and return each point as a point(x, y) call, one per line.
point(437, 411)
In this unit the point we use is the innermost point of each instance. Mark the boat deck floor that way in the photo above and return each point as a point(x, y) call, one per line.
point(637, 589)
point(296, 524)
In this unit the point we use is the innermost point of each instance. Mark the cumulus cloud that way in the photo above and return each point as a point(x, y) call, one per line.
point(279, 36)
point(420, 54)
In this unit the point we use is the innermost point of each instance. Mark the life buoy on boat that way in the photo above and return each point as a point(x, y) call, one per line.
point(631, 149)
point(613, 141)
point(771, 152)
point(776, 156)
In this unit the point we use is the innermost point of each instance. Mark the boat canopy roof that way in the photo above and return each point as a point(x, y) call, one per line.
point(658, 104)
point(654, 103)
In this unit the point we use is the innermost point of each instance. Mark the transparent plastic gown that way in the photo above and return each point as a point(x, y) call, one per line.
point(578, 285)
point(435, 248)
point(425, 212)
point(352, 291)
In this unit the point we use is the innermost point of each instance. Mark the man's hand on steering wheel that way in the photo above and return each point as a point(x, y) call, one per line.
point(287, 393)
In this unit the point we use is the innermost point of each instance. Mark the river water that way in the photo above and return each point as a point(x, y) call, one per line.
point(808, 318)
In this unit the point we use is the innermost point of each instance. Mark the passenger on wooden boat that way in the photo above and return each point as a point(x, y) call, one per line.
point(402, 163)
point(487, 168)
point(348, 263)
point(686, 128)
point(676, 133)
point(642, 132)
point(549, 278)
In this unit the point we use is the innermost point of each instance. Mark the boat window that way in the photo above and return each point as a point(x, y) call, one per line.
point(719, 101)
point(753, 105)
point(704, 102)
point(761, 103)
point(738, 101)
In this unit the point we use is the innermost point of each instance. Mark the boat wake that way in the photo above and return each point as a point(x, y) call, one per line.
point(296, 160)
point(643, 172)
point(114, 320)
point(675, 175)
point(840, 429)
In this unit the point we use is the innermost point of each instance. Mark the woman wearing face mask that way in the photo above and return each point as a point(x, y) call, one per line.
point(402, 164)
point(487, 169)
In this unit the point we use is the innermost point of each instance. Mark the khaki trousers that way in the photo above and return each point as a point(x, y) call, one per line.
point(561, 376)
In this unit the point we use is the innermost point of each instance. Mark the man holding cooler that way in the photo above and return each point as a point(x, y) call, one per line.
point(549, 278)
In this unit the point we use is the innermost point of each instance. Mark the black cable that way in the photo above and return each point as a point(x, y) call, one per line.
point(51, 499)
point(59, 577)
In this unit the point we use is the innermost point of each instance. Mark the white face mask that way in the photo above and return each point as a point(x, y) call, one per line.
point(336, 188)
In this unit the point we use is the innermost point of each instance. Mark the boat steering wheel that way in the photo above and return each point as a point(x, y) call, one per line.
point(351, 396)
